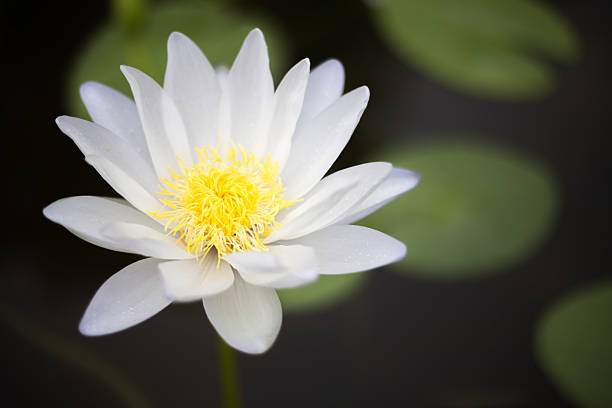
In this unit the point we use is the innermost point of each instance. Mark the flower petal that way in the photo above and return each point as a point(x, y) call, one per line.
point(127, 298)
point(188, 280)
point(330, 200)
point(125, 184)
point(351, 248)
point(116, 112)
point(247, 317)
point(317, 144)
point(192, 83)
point(161, 121)
point(287, 106)
point(144, 240)
point(110, 224)
point(279, 267)
point(250, 92)
point(397, 182)
point(93, 139)
point(325, 86)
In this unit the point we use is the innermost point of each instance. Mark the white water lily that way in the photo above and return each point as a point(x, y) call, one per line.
point(223, 187)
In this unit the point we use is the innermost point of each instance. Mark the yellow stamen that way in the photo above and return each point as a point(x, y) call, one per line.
point(228, 203)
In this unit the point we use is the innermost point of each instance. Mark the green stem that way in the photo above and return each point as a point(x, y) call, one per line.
point(228, 378)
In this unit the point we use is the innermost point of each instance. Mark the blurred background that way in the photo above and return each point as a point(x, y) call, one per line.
point(504, 298)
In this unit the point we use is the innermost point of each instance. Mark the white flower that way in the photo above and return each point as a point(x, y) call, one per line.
point(224, 190)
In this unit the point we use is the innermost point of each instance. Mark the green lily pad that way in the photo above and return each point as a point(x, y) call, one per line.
point(219, 32)
point(477, 209)
point(326, 292)
point(574, 345)
point(487, 48)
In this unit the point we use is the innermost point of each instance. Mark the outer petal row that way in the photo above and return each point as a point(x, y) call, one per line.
point(115, 159)
point(111, 224)
point(396, 183)
point(127, 298)
point(189, 280)
point(279, 267)
point(247, 317)
point(330, 200)
point(343, 249)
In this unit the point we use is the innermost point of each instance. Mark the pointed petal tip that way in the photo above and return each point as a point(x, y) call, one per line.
point(87, 87)
point(332, 64)
point(365, 91)
point(256, 32)
point(402, 252)
point(176, 38)
point(128, 71)
point(255, 37)
point(411, 178)
point(258, 348)
point(53, 211)
point(61, 119)
point(176, 35)
point(48, 211)
point(87, 327)
point(304, 64)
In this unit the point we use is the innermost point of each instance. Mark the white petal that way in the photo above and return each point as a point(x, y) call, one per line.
point(125, 184)
point(192, 83)
point(110, 224)
point(397, 182)
point(161, 121)
point(221, 71)
point(116, 112)
point(330, 200)
point(224, 125)
point(127, 298)
point(317, 144)
point(280, 266)
point(144, 240)
point(96, 140)
point(325, 86)
point(287, 106)
point(247, 317)
point(250, 93)
point(351, 248)
point(189, 280)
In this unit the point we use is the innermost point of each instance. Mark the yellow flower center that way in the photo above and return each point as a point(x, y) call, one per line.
point(224, 202)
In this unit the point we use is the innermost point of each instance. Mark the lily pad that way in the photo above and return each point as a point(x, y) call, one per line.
point(487, 48)
point(326, 292)
point(219, 31)
point(478, 209)
point(574, 345)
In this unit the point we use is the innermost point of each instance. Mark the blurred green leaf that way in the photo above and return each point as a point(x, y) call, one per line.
point(326, 292)
point(574, 345)
point(486, 48)
point(477, 209)
point(129, 14)
point(219, 32)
